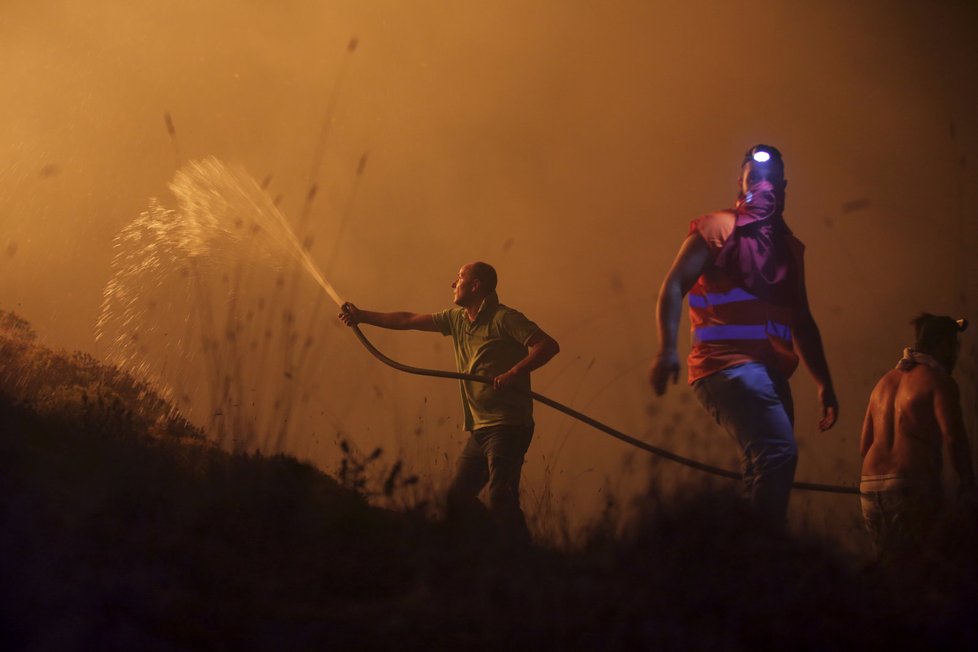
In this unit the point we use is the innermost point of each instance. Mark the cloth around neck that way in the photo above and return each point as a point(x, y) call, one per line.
point(911, 358)
point(756, 254)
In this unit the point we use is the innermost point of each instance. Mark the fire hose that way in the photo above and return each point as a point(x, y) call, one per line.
point(594, 423)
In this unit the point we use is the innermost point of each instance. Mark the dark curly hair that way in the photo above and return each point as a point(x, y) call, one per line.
point(930, 331)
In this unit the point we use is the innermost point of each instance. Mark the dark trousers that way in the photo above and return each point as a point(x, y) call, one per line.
point(492, 455)
point(753, 404)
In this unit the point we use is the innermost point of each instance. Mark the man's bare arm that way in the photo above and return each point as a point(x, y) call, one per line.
point(540, 349)
point(690, 263)
point(809, 342)
point(394, 320)
point(947, 410)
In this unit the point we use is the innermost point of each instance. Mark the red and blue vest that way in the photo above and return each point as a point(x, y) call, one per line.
point(729, 325)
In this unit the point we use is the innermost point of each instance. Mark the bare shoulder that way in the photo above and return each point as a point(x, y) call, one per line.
point(718, 220)
point(720, 216)
point(923, 381)
point(945, 385)
point(887, 385)
point(890, 378)
point(716, 227)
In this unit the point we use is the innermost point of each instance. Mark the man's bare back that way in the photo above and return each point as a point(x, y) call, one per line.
point(900, 433)
point(910, 414)
point(913, 410)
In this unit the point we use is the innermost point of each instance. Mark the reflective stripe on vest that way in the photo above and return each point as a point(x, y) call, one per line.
point(719, 298)
point(740, 332)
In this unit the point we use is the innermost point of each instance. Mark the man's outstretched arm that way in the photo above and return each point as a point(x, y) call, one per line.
point(400, 321)
point(690, 263)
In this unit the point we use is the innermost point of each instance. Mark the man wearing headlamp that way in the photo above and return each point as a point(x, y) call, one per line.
point(743, 271)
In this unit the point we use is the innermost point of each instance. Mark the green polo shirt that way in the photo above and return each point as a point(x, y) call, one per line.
point(490, 346)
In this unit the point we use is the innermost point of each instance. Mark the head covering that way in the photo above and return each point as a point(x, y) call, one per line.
point(756, 253)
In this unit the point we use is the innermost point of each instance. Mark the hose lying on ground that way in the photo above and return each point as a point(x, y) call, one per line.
point(655, 450)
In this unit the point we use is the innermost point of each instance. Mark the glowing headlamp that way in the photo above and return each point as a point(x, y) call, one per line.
point(761, 156)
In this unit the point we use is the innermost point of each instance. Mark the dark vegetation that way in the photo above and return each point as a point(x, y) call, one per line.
point(122, 528)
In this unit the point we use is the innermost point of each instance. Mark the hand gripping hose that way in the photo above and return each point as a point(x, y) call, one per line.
point(655, 450)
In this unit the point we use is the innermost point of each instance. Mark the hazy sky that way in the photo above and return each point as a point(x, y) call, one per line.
point(567, 142)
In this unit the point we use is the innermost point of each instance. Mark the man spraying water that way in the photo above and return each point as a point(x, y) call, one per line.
point(494, 341)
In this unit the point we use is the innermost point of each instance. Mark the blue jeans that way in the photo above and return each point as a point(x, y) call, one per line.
point(753, 404)
point(495, 456)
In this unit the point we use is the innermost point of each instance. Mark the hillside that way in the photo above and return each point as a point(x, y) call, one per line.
point(122, 528)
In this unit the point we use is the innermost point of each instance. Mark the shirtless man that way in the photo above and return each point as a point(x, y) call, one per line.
point(912, 410)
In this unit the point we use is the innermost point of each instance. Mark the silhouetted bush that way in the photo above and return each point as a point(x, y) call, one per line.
point(120, 528)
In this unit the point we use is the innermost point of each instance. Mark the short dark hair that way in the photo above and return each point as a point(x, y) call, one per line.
point(930, 331)
point(775, 163)
point(486, 275)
